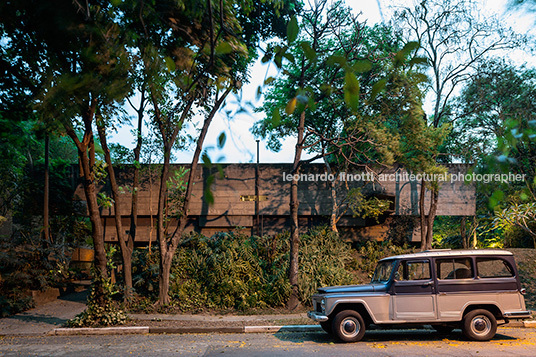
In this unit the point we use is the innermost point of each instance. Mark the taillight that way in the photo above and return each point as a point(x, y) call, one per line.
point(523, 291)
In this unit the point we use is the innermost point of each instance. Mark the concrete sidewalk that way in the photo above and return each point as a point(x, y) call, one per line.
point(48, 319)
point(45, 318)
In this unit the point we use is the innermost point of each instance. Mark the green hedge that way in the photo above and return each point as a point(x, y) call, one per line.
point(233, 270)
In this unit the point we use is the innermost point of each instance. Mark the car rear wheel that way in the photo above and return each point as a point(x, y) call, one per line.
point(348, 326)
point(479, 325)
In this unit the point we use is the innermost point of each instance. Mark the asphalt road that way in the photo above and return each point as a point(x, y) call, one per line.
point(508, 342)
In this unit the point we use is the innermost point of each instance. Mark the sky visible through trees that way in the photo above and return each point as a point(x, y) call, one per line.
point(240, 146)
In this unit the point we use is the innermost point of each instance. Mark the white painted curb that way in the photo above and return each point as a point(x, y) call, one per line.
point(289, 328)
point(129, 330)
point(529, 323)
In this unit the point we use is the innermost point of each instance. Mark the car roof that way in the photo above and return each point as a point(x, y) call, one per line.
point(450, 253)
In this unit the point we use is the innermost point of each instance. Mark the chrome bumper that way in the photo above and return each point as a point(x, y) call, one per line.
point(517, 315)
point(313, 315)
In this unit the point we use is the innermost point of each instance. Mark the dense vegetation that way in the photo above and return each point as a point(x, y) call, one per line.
point(348, 93)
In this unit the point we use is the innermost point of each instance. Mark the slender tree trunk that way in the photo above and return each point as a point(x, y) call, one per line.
point(136, 178)
point(126, 251)
point(293, 272)
point(86, 155)
point(168, 245)
point(434, 194)
point(165, 265)
point(463, 233)
point(46, 189)
point(334, 203)
point(422, 214)
point(94, 216)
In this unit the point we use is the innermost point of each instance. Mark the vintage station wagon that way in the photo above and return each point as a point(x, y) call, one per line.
point(474, 290)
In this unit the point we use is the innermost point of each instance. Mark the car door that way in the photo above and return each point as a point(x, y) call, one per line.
point(456, 286)
point(413, 292)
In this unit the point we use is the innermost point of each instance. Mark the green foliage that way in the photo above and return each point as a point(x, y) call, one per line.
point(324, 261)
point(235, 271)
point(176, 186)
point(25, 266)
point(364, 207)
point(101, 309)
point(522, 216)
point(372, 251)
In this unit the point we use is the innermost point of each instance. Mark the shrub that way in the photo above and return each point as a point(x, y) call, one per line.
point(101, 309)
point(233, 270)
point(372, 251)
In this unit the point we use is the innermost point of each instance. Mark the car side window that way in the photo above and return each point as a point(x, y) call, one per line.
point(455, 268)
point(413, 270)
point(493, 268)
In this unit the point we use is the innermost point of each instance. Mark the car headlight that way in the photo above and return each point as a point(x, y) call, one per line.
point(323, 304)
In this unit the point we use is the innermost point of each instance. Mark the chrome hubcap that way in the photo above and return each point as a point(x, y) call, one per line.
point(350, 326)
point(481, 325)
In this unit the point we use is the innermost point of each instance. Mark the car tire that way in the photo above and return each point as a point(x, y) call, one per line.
point(348, 326)
point(327, 326)
point(479, 325)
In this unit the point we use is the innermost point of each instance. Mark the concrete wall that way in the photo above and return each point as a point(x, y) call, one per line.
point(232, 209)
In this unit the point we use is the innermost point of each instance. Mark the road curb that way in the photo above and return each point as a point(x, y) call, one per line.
point(126, 330)
point(130, 330)
point(288, 328)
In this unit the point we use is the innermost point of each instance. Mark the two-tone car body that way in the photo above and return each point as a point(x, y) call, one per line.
point(474, 290)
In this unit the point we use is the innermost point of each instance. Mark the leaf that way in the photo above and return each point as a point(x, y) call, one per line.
point(377, 88)
point(419, 61)
point(289, 56)
point(269, 80)
point(170, 64)
point(209, 197)
point(351, 90)
point(496, 199)
point(223, 48)
point(206, 160)
point(116, 2)
point(267, 57)
point(310, 54)
point(405, 51)
point(292, 30)
point(291, 106)
point(276, 118)
point(221, 140)
point(339, 60)
point(362, 66)
point(258, 94)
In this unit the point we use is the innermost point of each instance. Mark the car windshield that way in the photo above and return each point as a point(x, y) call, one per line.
point(383, 271)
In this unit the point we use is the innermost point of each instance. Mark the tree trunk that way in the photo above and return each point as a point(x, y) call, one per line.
point(334, 203)
point(94, 216)
point(434, 195)
point(463, 233)
point(422, 215)
point(168, 245)
point(165, 266)
point(136, 178)
point(46, 193)
point(86, 155)
point(293, 272)
point(126, 251)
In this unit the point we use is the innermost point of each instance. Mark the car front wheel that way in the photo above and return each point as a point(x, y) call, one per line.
point(348, 326)
point(479, 325)
point(326, 326)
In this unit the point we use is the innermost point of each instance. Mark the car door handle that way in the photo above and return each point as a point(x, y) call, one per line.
point(428, 283)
